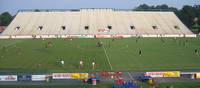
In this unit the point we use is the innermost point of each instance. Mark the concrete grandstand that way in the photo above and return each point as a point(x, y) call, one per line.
point(96, 23)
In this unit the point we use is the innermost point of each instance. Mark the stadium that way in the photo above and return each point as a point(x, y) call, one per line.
point(97, 22)
point(115, 40)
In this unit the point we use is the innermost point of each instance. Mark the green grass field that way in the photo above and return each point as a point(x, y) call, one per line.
point(117, 55)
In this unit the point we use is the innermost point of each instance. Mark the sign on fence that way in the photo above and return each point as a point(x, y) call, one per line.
point(39, 77)
point(8, 77)
point(172, 74)
point(79, 75)
point(163, 74)
point(24, 77)
point(198, 75)
point(70, 75)
point(61, 76)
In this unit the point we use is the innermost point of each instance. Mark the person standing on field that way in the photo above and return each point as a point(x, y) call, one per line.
point(196, 51)
point(93, 65)
point(81, 63)
point(62, 62)
point(140, 52)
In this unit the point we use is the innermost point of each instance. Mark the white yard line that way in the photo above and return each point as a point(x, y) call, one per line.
point(108, 59)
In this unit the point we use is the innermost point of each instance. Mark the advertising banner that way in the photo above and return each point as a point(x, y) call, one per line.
point(172, 74)
point(61, 75)
point(79, 75)
point(70, 75)
point(24, 77)
point(39, 77)
point(163, 74)
point(104, 30)
point(72, 36)
point(8, 77)
point(198, 75)
point(102, 36)
point(90, 36)
point(154, 74)
point(117, 36)
point(126, 36)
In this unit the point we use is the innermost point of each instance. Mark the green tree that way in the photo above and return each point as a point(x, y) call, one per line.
point(163, 6)
point(186, 14)
point(142, 7)
point(5, 19)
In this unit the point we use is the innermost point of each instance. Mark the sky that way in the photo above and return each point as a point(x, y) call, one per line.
point(13, 6)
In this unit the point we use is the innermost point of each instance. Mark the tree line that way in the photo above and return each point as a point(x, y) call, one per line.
point(189, 15)
point(5, 19)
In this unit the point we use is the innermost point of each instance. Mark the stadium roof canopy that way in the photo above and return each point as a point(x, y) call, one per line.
point(96, 21)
